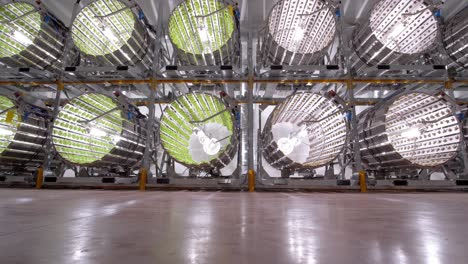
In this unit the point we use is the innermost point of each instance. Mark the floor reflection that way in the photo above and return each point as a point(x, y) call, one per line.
point(302, 241)
point(200, 220)
point(429, 237)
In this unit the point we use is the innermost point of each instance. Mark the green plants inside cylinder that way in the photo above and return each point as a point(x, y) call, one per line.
point(203, 27)
point(29, 36)
point(198, 130)
point(91, 130)
point(9, 121)
point(108, 32)
point(20, 25)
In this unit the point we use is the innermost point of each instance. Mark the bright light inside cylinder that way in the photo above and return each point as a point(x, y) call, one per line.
point(307, 130)
point(110, 34)
point(196, 143)
point(404, 26)
point(299, 34)
point(81, 140)
point(201, 26)
point(9, 121)
point(455, 39)
point(422, 129)
point(411, 133)
point(103, 27)
point(288, 144)
point(211, 146)
point(5, 131)
point(302, 26)
point(22, 38)
point(96, 132)
point(21, 24)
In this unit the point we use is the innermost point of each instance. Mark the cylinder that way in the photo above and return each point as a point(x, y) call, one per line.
point(204, 32)
point(198, 131)
point(107, 32)
point(411, 130)
point(22, 135)
point(94, 130)
point(30, 37)
point(306, 131)
point(298, 32)
point(397, 32)
point(456, 40)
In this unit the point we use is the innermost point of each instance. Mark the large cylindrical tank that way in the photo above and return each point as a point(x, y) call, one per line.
point(22, 135)
point(455, 37)
point(397, 32)
point(306, 131)
point(198, 130)
point(96, 130)
point(204, 32)
point(108, 32)
point(30, 37)
point(411, 130)
point(298, 32)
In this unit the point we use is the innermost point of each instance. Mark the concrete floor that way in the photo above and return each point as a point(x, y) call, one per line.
point(50, 226)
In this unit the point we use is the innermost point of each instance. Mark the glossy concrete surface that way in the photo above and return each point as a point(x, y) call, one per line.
point(50, 226)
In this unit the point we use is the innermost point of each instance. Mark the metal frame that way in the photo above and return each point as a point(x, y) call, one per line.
point(246, 84)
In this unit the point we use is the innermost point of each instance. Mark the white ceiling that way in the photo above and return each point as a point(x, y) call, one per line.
point(253, 12)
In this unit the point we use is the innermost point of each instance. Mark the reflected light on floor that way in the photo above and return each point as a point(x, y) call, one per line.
point(302, 245)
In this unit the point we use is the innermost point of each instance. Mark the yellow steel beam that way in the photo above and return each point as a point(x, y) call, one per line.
point(40, 178)
point(363, 181)
point(301, 81)
point(29, 83)
point(143, 179)
point(400, 81)
point(304, 81)
point(206, 81)
point(251, 180)
point(115, 82)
